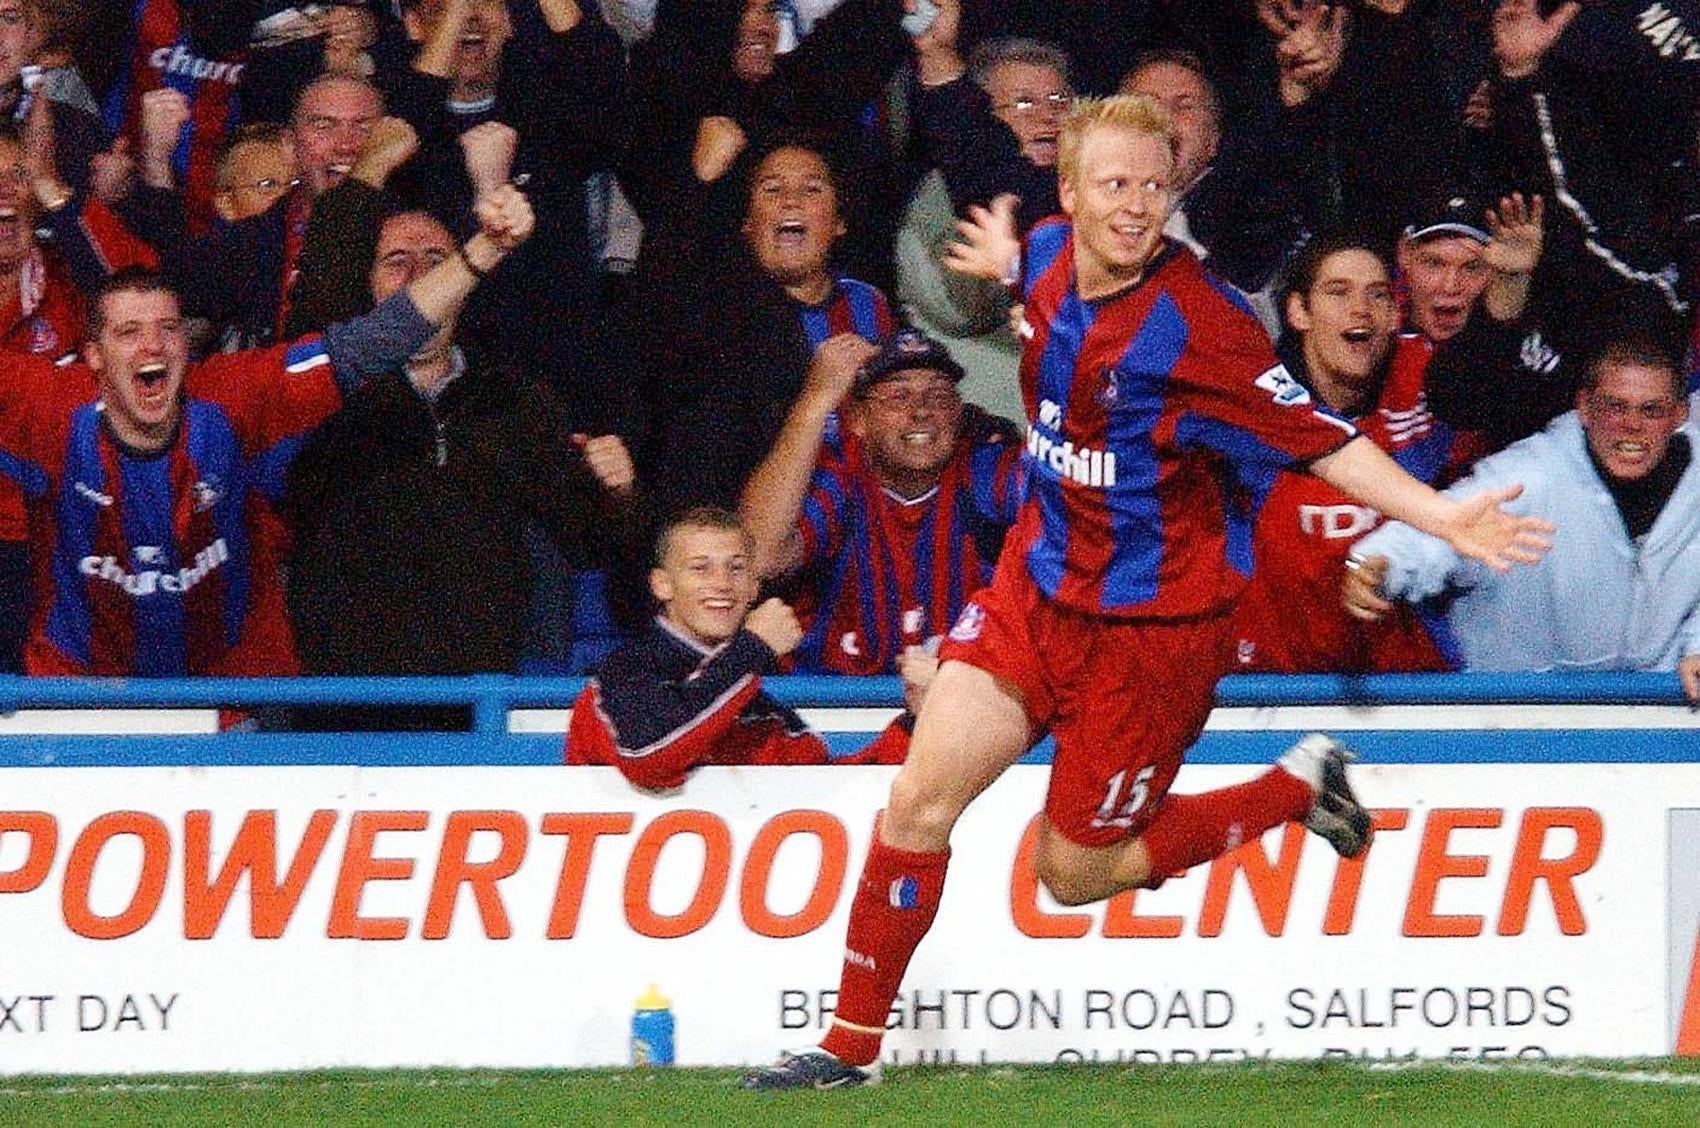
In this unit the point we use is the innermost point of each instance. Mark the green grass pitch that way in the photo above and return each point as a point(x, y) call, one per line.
point(1590, 1095)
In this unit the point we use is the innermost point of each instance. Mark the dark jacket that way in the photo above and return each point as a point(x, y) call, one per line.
point(335, 265)
point(979, 156)
point(1510, 379)
point(683, 73)
point(1376, 143)
point(723, 356)
point(563, 94)
point(1503, 379)
point(408, 518)
point(663, 705)
point(232, 276)
point(1611, 155)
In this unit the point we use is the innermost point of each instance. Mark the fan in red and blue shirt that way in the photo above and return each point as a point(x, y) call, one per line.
point(892, 540)
point(851, 307)
point(1290, 619)
point(146, 481)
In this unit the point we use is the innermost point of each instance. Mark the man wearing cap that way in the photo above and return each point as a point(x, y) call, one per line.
point(890, 539)
point(1442, 265)
point(1517, 364)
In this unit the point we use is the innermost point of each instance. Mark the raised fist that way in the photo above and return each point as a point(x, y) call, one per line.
point(832, 370)
point(609, 461)
point(719, 141)
point(775, 624)
point(349, 31)
point(504, 216)
point(390, 145)
point(164, 113)
point(112, 173)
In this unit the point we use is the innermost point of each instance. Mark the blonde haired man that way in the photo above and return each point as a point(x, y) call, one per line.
point(1147, 385)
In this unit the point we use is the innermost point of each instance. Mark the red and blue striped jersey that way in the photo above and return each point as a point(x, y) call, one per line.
point(157, 55)
point(160, 565)
point(1148, 412)
point(852, 307)
point(893, 573)
point(49, 325)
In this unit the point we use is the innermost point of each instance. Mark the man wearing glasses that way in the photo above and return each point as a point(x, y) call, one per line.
point(256, 171)
point(991, 124)
point(1619, 590)
point(890, 541)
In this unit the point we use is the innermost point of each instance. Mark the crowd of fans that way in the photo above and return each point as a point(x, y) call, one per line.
point(678, 223)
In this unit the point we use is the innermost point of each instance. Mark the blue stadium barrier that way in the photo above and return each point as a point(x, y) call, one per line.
point(491, 698)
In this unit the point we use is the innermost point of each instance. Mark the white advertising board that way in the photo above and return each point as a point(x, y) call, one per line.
point(259, 918)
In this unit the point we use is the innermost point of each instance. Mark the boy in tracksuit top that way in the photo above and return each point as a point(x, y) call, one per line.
point(687, 691)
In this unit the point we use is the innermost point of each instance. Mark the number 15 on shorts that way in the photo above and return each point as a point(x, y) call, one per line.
point(1117, 810)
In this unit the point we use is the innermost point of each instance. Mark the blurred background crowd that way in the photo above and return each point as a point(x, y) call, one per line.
point(1469, 226)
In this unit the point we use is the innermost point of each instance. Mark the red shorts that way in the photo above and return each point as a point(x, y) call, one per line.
point(1124, 698)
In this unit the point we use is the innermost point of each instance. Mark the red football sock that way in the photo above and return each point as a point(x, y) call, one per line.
point(895, 903)
point(1191, 829)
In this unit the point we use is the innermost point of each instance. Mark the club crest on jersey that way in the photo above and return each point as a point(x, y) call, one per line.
point(207, 493)
point(43, 337)
point(1109, 387)
point(1281, 386)
point(968, 624)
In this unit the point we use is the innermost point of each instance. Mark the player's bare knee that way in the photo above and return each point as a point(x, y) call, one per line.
point(1067, 884)
point(918, 816)
point(1064, 870)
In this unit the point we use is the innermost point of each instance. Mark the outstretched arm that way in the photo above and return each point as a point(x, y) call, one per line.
point(382, 340)
point(505, 221)
point(1477, 527)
